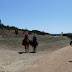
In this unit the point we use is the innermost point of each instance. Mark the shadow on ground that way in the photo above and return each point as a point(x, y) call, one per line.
point(24, 52)
point(70, 61)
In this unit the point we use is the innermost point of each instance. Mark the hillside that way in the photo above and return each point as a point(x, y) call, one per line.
point(9, 31)
point(14, 59)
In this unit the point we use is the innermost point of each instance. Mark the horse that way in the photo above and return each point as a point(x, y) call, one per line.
point(34, 44)
point(71, 43)
point(26, 44)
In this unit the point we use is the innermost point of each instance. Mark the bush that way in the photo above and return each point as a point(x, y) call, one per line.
point(68, 35)
point(16, 32)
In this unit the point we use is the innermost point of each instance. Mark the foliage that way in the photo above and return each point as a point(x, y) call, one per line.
point(7, 27)
point(39, 32)
point(16, 32)
point(3, 27)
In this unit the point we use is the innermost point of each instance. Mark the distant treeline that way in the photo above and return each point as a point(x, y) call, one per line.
point(68, 35)
point(3, 27)
point(56, 34)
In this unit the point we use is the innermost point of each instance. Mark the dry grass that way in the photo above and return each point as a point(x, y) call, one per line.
point(45, 42)
point(12, 61)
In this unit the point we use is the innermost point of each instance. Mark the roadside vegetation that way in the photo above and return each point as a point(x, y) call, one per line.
point(3, 27)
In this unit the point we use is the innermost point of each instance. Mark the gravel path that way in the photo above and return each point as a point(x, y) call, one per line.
point(12, 61)
point(57, 61)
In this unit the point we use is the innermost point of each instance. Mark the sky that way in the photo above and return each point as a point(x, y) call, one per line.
point(51, 16)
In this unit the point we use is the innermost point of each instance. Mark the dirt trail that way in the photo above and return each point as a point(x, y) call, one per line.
point(12, 61)
point(57, 61)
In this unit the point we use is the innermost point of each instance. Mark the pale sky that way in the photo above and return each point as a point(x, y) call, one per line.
point(52, 16)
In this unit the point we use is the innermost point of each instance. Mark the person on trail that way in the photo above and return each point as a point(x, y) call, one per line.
point(26, 35)
point(35, 39)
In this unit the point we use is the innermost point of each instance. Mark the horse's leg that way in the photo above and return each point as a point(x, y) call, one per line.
point(27, 48)
point(34, 49)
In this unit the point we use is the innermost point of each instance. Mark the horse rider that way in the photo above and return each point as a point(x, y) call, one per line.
point(26, 34)
point(35, 39)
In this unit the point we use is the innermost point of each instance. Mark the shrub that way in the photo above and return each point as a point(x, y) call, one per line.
point(16, 32)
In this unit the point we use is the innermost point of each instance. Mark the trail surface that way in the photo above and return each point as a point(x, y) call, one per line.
point(57, 61)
